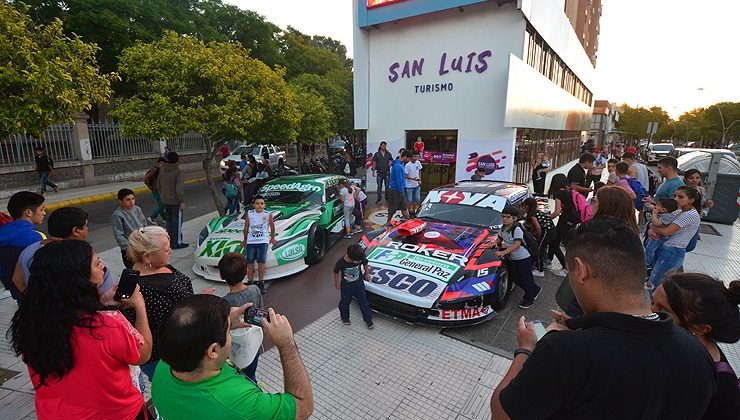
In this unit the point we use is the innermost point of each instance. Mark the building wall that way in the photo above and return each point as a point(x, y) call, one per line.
point(584, 16)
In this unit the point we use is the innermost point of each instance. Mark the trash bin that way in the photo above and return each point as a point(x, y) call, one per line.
point(726, 194)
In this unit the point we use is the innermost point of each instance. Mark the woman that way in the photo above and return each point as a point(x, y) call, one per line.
point(348, 165)
point(539, 173)
point(671, 254)
point(709, 310)
point(77, 353)
point(542, 228)
point(692, 178)
point(560, 192)
point(162, 285)
point(614, 202)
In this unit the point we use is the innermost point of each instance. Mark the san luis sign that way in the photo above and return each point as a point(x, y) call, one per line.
point(473, 62)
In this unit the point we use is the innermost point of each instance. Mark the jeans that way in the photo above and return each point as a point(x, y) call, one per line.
point(174, 223)
point(520, 271)
point(256, 252)
point(652, 247)
point(667, 258)
point(44, 181)
point(159, 210)
point(348, 217)
point(251, 370)
point(381, 178)
point(549, 237)
point(413, 195)
point(359, 212)
point(356, 291)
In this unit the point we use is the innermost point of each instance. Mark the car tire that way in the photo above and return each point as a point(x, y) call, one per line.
point(502, 293)
point(316, 245)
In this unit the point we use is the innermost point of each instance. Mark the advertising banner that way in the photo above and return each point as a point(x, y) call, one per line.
point(438, 157)
point(496, 157)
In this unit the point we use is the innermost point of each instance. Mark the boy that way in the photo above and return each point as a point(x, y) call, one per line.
point(347, 197)
point(413, 183)
point(256, 240)
point(27, 210)
point(478, 174)
point(348, 277)
point(44, 167)
point(511, 238)
point(127, 217)
point(232, 267)
point(664, 215)
point(611, 167)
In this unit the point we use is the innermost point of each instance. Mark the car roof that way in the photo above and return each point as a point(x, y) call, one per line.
point(308, 177)
point(703, 155)
point(499, 188)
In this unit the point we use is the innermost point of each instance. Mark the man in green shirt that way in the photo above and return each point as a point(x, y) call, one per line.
point(193, 381)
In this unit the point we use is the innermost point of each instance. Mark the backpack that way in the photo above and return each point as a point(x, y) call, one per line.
point(639, 190)
point(530, 242)
point(230, 190)
point(150, 178)
point(582, 207)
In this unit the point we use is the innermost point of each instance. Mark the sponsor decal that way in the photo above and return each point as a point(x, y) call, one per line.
point(465, 198)
point(428, 251)
point(295, 186)
point(413, 262)
point(232, 231)
point(218, 248)
point(293, 252)
point(490, 162)
point(432, 235)
point(463, 314)
point(403, 282)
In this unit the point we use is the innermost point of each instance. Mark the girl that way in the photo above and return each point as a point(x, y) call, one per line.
point(542, 228)
point(692, 178)
point(231, 191)
point(614, 202)
point(560, 192)
point(539, 173)
point(511, 238)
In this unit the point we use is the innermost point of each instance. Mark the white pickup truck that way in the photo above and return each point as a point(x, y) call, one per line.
point(262, 153)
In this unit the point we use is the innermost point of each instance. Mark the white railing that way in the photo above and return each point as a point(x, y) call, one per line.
point(57, 140)
point(106, 141)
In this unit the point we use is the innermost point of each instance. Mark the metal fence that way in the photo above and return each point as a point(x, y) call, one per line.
point(57, 140)
point(560, 146)
point(106, 141)
point(189, 142)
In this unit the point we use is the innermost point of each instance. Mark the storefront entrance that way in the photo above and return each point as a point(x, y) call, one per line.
point(438, 155)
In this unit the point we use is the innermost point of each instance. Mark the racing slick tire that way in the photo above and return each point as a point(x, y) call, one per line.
point(316, 245)
point(503, 289)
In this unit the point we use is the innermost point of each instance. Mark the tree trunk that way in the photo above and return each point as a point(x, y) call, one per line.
point(210, 154)
point(300, 154)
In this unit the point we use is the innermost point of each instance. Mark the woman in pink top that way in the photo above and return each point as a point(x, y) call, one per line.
point(78, 354)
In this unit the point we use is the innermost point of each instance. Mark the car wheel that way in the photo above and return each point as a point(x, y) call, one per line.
point(316, 245)
point(503, 288)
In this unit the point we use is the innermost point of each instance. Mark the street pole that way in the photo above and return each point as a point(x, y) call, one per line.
point(722, 118)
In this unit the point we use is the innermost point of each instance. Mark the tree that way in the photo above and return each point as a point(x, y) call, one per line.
point(45, 76)
point(336, 97)
point(634, 121)
point(315, 122)
point(214, 89)
point(303, 56)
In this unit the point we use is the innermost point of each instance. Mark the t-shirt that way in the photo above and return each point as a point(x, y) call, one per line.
point(259, 227)
point(100, 384)
point(613, 178)
point(625, 184)
point(567, 208)
point(412, 170)
point(225, 396)
point(613, 366)
point(642, 174)
point(382, 162)
point(43, 163)
point(689, 222)
point(544, 220)
point(349, 272)
point(508, 238)
point(725, 404)
point(348, 198)
point(249, 295)
point(668, 188)
point(577, 175)
point(26, 258)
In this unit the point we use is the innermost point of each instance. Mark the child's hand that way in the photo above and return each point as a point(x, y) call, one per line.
point(337, 286)
point(273, 241)
point(367, 276)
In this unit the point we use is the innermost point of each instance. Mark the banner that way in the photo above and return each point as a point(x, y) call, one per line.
point(495, 157)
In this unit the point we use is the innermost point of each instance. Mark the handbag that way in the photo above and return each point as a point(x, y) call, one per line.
point(245, 343)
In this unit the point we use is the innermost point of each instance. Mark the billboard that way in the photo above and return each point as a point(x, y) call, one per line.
point(374, 12)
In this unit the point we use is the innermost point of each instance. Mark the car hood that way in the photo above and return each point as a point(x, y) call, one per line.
point(416, 268)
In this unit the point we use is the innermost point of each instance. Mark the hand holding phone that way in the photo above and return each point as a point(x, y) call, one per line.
point(255, 316)
point(127, 284)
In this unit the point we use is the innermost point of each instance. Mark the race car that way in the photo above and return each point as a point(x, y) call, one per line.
point(440, 268)
point(308, 219)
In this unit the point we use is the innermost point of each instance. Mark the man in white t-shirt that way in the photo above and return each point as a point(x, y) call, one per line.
point(413, 182)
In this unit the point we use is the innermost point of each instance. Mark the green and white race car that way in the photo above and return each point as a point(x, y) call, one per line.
point(308, 219)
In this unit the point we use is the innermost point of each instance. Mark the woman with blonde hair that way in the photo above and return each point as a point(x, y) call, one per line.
point(612, 201)
point(162, 285)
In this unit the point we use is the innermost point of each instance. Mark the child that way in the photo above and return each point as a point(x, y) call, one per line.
point(256, 239)
point(347, 198)
point(542, 228)
point(232, 268)
point(348, 277)
point(611, 167)
point(413, 183)
point(511, 238)
point(231, 191)
point(663, 215)
point(127, 218)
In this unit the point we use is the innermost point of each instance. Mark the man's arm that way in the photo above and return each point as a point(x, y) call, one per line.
point(580, 188)
point(20, 284)
point(527, 340)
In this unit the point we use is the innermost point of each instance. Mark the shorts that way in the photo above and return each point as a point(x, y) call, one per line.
point(413, 195)
point(256, 252)
point(396, 201)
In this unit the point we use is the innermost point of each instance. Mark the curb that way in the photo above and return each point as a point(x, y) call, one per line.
point(108, 196)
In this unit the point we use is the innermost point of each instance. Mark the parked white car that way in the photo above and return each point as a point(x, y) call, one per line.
point(276, 156)
point(701, 160)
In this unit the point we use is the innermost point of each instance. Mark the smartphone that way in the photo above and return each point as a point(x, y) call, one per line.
point(539, 329)
point(127, 284)
point(254, 316)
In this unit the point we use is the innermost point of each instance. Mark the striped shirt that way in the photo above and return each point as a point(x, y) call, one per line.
point(688, 221)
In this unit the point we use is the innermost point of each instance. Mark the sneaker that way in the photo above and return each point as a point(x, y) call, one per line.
point(181, 246)
point(560, 273)
point(357, 229)
point(525, 304)
point(151, 221)
point(538, 273)
point(346, 322)
point(348, 236)
point(370, 326)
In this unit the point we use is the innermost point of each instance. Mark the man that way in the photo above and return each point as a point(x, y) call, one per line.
point(618, 361)
point(150, 179)
point(44, 167)
point(478, 174)
point(125, 219)
point(668, 169)
point(171, 185)
point(397, 187)
point(382, 160)
point(193, 381)
point(64, 223)
point(637, 169)
point(577, 174)
point(225, 150)
point(27, 210)
point(594, 174)
point(413, 182)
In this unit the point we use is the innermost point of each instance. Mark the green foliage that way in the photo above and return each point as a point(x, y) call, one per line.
point(45, 76)
point(337, 97)
point(302, 55)
point(705, 124)
point(634, 121)
point(214, 89)
point(315, 123)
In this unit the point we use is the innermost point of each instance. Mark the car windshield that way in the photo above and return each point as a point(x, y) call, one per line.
point(291, 194)
point(662, 147)
point(460, 214)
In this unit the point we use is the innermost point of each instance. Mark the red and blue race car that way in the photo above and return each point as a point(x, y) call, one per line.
point(440, 268)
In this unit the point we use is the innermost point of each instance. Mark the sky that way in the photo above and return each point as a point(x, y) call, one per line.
point(676, 54)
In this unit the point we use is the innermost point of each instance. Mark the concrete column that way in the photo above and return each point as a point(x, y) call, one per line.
point(82, 147)
point(162, 146)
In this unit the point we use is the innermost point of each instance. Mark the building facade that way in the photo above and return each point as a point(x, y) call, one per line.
point(484, 84)
point(584, 16)
point(603, 123)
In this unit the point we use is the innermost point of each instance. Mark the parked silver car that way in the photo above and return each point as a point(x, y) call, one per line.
point(701, 160)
